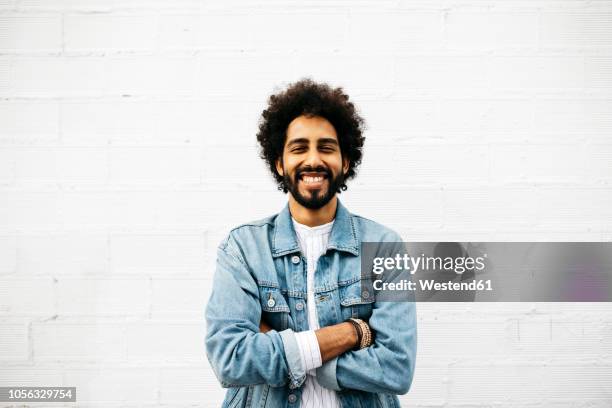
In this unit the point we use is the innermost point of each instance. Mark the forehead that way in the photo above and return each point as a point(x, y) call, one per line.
point(311, 127)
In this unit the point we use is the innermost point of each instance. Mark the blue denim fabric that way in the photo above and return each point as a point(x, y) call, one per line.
point(261, 273)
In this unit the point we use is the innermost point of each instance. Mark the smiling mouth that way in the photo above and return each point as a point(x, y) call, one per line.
point(312, 179)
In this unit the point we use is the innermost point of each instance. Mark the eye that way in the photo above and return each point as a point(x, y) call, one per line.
point(327, 149)
point(298, 149)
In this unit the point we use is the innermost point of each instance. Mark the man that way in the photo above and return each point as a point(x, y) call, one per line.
point(288, 322)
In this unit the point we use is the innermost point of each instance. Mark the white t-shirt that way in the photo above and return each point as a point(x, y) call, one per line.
point(313, 244)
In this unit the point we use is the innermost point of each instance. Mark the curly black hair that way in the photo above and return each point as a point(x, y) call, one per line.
point(306, 97)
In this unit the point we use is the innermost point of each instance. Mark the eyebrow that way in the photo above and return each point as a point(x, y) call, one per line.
point(323, 140)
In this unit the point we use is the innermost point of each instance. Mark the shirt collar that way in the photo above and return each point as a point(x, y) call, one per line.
point(343, 236)
point(302, 229)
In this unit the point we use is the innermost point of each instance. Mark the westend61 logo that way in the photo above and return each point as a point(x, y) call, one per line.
point(427, 263)
point(404, 263)
point(487, 271)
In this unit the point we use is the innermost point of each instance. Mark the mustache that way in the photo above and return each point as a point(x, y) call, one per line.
point(309, 169)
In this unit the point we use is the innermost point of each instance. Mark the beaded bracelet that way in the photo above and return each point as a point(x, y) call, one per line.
point(364, 334)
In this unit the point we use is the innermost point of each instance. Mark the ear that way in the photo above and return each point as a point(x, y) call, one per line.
point(345, 165)
point(279, 166)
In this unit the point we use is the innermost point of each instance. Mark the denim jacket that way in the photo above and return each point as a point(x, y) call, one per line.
point(261, 273)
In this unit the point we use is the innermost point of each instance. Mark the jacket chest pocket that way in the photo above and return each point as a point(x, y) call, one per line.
point(356, 299)
point(274, 308)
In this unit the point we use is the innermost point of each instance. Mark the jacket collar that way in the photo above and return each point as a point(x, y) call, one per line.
point(343, 236)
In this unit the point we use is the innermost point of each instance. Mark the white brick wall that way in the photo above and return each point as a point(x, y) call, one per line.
point(127, 151)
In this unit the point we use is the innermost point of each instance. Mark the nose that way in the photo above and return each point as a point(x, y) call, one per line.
point(313, 159)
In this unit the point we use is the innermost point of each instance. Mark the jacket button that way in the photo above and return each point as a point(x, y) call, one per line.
point(295, 259)
point(299, 306)
point(271, 302)
point(292, 398)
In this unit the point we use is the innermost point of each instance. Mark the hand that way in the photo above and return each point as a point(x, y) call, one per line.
point(264, 327)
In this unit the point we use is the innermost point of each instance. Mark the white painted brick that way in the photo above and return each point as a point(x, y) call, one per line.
point(109, 32)
point(60, 342)
point(445, 73)
point(187, 384)
point(496, 382)
point(264, 203)
point(574, 209)
point(182, 297)
point(244, 118)
point(130, 122)
point(85, 122)
point(168, 254)
point(468, 30)
point(30, 32)
point(374, 169)
point(14, 345)
point(539, 163)
point(5, 74)
point(166, 341)
point(180, 31)
point(422, 209)
point(114, 386)
point(29, 209)
point(489, 209)
point(524, 382)
point(441, 339)
point(490, 119)
point(561, 339)
point(7, 4)
point(20, 297)
point(598, 72)
point(234, 74)
point(429, 386)
point(7, 167)
point(155, 165)
point(103, 297)
point(123, 209)
point(56, 76)
point(17, 124)
point(419, 118)
point(8, 254)
point(599, 165)
point(566, 119)
point(301, 30)
point(31, 376)
point(565, 72)
point(584, 28)
point(61, 165)
point(440, 164)
point(374, 77)
point(216, 169)
point(88, 209)
point(152, 75)
point(73, 253)
point(396, 32)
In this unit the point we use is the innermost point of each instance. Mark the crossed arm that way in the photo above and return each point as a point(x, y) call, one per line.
point(241, 353)
point(333, 340)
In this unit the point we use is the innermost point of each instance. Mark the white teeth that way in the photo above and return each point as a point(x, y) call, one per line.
point(309, 179)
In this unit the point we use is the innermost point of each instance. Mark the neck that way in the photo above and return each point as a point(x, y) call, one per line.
point(313, 218)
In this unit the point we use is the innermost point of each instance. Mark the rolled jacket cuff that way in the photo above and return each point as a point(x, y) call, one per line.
point(297, 371)
point(326, 375)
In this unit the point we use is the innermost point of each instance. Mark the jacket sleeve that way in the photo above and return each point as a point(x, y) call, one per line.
point(387, 366)
point(238, 352)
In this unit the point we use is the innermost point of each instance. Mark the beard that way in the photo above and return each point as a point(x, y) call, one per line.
point(317, 197)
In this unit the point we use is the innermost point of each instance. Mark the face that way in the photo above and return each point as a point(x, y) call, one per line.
point(312, 165)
